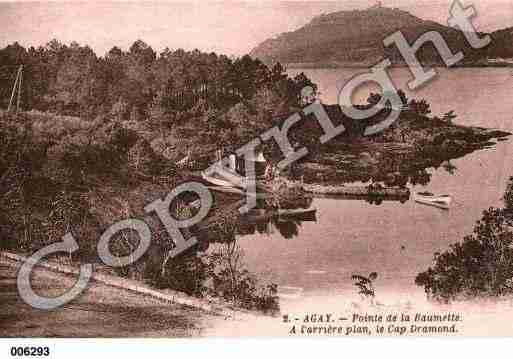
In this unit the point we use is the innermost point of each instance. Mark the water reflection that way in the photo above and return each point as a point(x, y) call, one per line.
point(216, 267)
point(227, 223)
point(268, 221)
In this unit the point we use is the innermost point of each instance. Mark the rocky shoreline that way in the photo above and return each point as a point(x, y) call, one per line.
point(396, 157)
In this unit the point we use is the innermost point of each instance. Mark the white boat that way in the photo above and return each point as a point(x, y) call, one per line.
point(439, 201)
point(227, 189)
point(217, 181)
point(224, 177)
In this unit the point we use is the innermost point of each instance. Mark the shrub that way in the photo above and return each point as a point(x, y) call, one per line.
point(21, 158)
point(481, 265)
point(421, 107)
point(508, 198)
point(236, 284)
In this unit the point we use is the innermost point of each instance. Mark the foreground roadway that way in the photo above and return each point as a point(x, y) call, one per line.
point(101, 311)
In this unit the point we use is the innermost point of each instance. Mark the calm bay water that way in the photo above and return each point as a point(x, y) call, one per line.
point(396, 240)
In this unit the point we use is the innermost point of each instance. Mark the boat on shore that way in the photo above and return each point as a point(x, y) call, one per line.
point(230, 181)
point(225, 178)
point(227, 189)
point(217, 181)
point(429, 199)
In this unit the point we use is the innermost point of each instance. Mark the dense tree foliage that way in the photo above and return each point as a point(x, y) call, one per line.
point(100, 138)
point(73, 80)
point(480, 265)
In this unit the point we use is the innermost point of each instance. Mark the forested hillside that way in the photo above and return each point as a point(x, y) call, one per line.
point(98, 138)
point(73, 80)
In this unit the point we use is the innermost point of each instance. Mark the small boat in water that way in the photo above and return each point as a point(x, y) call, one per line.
point(284, 215)
point(439, 201)
point(307, 214)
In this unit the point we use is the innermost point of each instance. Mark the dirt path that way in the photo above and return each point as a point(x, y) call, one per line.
point(101, 311)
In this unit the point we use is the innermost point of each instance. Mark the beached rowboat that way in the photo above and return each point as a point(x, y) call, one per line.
point(229, 179)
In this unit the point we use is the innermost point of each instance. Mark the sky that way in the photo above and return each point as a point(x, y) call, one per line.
point(229, 27)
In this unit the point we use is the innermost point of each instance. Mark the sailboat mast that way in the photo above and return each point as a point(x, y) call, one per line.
point(19, 89)
point(14, 88)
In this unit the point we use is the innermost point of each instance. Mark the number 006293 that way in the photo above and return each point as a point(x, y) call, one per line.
point(30, 352)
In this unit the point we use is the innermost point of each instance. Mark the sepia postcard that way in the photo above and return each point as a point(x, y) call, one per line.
point(295, 169)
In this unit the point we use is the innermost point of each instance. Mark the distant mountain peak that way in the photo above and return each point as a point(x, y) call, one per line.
point(330, 35)
point(353, 37)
